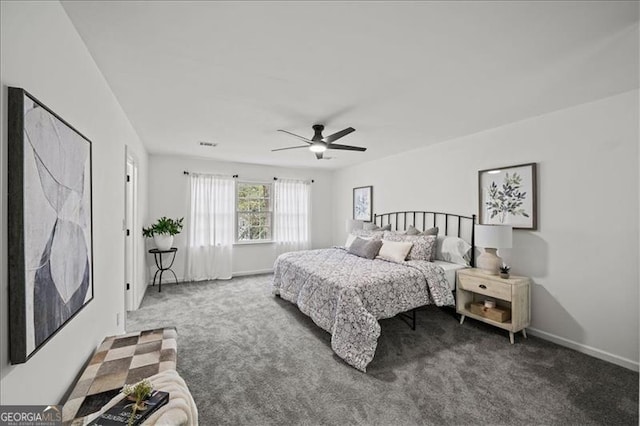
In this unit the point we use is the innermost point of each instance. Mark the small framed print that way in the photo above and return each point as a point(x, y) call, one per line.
point(362, 203)
point(508, 196)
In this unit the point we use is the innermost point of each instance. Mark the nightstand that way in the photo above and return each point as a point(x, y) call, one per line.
point(511, 295)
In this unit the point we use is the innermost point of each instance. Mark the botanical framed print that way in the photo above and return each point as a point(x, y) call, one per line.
point(362, 203)
point(49, 224)
point(508, 195)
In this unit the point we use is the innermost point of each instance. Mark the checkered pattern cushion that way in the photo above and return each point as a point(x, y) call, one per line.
point(120, 359)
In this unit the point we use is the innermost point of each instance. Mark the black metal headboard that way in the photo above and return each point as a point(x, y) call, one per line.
point(463, 225)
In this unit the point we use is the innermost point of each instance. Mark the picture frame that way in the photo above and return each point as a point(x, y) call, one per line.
point(50, 230)
point(363, 203)
point(508, 195)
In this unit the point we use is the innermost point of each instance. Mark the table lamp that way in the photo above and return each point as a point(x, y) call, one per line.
point(491, 238)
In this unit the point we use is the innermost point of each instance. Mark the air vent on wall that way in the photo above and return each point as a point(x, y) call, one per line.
point(208, 144)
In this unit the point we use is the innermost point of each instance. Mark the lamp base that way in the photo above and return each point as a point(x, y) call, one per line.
point(489, 262)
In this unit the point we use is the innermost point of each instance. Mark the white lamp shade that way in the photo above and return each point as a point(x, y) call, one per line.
point(353, 224)
point(494, 236)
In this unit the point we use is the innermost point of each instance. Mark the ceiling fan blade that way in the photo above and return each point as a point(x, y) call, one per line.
point(319, 155)
point(296, 136)
point(338, 135)
point(345, 147)
point(291, 147)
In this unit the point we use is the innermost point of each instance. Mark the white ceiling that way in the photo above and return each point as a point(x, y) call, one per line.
point(404, 74)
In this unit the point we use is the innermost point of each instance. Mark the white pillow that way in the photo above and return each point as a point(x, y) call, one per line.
point(453, 249)
point(395, 250)
point(351, 238)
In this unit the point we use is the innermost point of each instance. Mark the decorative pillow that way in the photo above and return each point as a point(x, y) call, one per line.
point(365, 248)
point(454, 250)
point(350, 239)
point(431, 231)
point(412, 230)
point(374, 235)
point(424, 246)
point(395, 250)
point(370, 226)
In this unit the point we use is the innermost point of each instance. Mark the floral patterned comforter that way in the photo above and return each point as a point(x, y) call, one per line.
point(346, 295)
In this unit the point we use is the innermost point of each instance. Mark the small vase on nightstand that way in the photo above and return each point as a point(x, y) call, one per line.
point(504, 271)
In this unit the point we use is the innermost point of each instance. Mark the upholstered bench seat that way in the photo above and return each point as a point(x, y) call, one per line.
point(121, 360)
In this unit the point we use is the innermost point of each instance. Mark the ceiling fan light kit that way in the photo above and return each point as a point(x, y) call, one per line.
point(316, 147)
point(319, 144)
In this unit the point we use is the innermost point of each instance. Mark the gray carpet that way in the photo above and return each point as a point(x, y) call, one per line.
point(250, 358)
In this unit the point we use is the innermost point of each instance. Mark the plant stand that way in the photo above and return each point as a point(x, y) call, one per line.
point(157, 257)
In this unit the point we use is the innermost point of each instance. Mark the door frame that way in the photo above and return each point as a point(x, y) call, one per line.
point(131, 231)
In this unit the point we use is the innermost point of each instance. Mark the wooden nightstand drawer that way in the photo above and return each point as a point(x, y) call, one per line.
point(485, 286)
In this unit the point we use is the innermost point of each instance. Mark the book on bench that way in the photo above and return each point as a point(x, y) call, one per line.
point(120, 414)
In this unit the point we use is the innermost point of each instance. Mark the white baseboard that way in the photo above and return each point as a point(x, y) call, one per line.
point(596, 353)
point(257, 272)
point(235, 274)
point(167, 281)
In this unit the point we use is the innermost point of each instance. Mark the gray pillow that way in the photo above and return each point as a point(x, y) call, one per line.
point(412, 230)
point(370, 226)
point(431, 231)
point(365, 248)
point(371, 235)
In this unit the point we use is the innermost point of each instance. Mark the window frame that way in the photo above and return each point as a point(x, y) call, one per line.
point(237, 240)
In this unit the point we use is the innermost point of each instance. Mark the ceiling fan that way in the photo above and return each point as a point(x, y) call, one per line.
point(319, 144)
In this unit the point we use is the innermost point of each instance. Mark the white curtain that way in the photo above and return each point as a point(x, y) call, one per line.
point(210, 238)
point(292, 215)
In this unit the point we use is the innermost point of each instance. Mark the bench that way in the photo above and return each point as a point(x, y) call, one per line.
point(127, 359)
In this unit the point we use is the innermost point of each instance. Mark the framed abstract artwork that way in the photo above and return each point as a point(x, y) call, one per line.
point(362, 203)
point(508, 195)
point(49, 224)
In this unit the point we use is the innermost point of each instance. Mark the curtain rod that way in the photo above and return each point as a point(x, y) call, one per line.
point(275, 178)
point(185, 172)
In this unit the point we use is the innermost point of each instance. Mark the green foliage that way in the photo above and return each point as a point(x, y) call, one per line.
point(507, 199)
point(254, 190)
point(164, 225)
point(505, 269)
point(254, 211)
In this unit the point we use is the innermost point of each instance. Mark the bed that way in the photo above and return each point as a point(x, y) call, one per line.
point(346, 295)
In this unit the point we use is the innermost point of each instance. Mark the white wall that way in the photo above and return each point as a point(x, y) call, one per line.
point(584, 256)
point(169, 196)
point(42, 53)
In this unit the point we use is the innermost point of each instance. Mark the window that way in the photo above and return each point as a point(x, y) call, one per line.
point(254, 211)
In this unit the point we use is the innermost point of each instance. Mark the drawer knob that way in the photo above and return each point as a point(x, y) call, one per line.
point(482, 286)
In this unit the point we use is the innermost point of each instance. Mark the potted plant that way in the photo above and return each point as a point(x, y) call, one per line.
point(163, 231)
point(504, 271)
